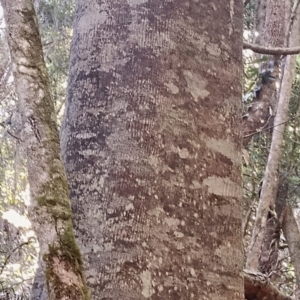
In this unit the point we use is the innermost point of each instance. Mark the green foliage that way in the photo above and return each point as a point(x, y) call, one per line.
point(55, 22)
point(253, 78)
point(249, 15)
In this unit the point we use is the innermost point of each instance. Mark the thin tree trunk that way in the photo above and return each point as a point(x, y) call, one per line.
point(260, 20)
point(270, 32)
point(152, 149)
point(292, 235)
point(50, 211)
point(270, 182)
point(268, 261)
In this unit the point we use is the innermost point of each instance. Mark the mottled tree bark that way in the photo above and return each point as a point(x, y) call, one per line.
point(151, 145)
point(50, 210)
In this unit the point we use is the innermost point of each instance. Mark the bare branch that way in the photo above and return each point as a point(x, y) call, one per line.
point(271, 51)
point(6, 261)
point(268, 128)
point(10, 133)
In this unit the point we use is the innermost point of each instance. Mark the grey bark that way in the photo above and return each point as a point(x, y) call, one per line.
point(260, 19)
point(292, 234)
point(151, 145)
point(39, 286)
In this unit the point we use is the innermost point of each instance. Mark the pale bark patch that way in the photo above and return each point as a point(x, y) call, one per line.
point(86, 21)
point(213, 49)
point(171, 222)
point(136, 2)
point(222, 186)
point(224, 147)
point(195, 85)
point(29, 71)
point(231, 11)
point(147, 289)
point(195, 185)
point(172, 87)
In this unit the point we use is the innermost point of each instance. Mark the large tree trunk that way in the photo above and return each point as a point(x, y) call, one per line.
point(50, 209)
point(152, 148)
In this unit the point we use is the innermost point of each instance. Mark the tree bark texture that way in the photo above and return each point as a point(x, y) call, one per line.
point(50, 209)
point(268, 260)
point(260, 19)
point(270, 181)
point(292, 235)
point(151, 145)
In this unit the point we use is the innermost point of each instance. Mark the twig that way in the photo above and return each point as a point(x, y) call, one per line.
point(265, 129)
point(10, 254)
point(11, 134)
